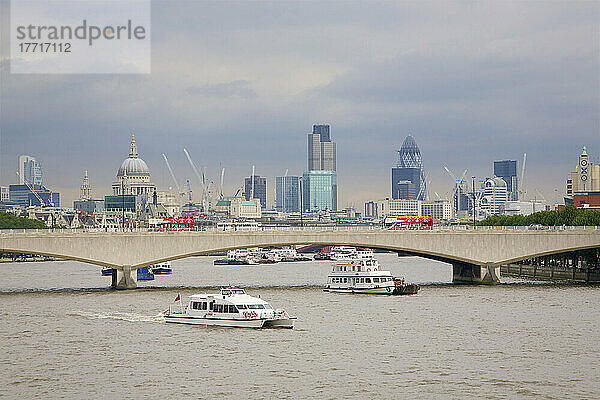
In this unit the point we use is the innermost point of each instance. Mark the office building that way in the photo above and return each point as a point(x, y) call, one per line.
point(130, 203)
point(319, 183)
point(321, 150)
point(494, 196)
point(404, 207)
point(33, 195)
point(438, 209)
point(319, 190)
point(507, 170)
point(287, 194)
point(408, 177)
point(30, 171)
point(256, 189)
point(525, 207)
point(89, 206)
point(4, 194)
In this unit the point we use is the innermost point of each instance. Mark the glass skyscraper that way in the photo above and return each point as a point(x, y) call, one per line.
point(321, 150)
point(319, 190)
point(30, 171)
point(507, 170)
point(319, 183)
point(287, 194)
point(408, 177)
point(259, 191)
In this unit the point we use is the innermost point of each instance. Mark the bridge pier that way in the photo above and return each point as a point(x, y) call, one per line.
point(463, 272)
point(125, 278)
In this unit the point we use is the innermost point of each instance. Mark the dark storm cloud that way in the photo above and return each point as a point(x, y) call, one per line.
point(241, 83)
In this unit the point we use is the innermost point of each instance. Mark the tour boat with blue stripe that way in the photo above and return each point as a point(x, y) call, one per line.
point(231, 307)
point(162, 268)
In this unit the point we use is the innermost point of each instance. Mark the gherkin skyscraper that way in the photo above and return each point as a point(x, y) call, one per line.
point(408, 177)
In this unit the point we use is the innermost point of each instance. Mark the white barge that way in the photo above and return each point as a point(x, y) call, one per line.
point(231, 307)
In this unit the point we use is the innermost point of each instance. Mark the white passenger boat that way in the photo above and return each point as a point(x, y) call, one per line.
point(162, 268)
point(286, 254)
point(349, 252)
point(359, 275)
point(231, 307)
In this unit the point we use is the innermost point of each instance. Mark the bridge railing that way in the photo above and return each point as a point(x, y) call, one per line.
point(307, 228)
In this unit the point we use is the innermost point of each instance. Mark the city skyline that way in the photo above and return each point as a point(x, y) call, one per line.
point(523, 85)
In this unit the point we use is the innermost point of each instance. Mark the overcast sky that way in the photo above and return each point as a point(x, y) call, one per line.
point(241, 84)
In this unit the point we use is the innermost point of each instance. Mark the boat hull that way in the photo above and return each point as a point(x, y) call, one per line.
point(380, 290)
point(287, 323)
point(234, 323)
point(161, 271)
point(406, 289)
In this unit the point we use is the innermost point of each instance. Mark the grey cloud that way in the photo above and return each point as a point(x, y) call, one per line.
point(239, 88)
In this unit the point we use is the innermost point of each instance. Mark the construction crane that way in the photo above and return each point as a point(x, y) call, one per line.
point(221, 186)
point(179, 192)
point(189, 192)
point(458, 188)
point(252, 183)
point(42, 202)
point(202, 179)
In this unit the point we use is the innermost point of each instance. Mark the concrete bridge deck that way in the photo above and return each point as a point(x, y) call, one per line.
point(475, 254)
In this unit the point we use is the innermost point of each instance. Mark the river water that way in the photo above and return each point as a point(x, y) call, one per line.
point(65, 334)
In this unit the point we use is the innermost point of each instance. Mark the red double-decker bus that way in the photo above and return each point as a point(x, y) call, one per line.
point(173, 224)
point(408, 223)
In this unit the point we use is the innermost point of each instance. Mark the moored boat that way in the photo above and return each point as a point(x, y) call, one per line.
point(231, 307)
point(145, 274)
point(322, 257)
point(162, 268)
point(237, 257)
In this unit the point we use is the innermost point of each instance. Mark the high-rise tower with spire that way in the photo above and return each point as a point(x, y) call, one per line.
point(85, 191)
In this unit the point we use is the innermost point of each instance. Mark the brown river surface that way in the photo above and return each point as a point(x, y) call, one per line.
point(65, 334)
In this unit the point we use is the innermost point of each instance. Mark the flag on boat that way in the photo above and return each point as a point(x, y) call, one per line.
point(177, 298)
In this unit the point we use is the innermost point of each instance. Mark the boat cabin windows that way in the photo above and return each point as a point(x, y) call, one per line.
point(241, 306)
point(225, 308)
point(367, 280)
point(199, 305)
point(375, 280)
point(256, 306)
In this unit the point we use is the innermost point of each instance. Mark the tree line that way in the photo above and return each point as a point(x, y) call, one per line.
point(10, 221)
point(568, 216)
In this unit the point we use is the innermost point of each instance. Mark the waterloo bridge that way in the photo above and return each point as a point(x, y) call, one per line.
point(475, 254)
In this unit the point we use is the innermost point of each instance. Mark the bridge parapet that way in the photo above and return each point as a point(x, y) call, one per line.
point(487, 248)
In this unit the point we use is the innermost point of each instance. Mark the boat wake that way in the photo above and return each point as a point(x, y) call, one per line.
point(129, 317)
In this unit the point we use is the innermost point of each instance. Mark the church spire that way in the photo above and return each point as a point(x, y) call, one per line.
point(133, 148)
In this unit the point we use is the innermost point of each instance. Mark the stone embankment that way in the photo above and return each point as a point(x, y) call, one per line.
point(551, 273)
